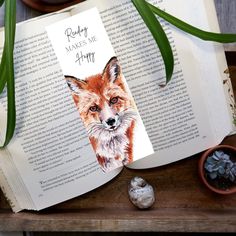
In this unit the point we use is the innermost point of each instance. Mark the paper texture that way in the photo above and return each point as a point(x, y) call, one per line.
point(101, 94)
point(51, 159)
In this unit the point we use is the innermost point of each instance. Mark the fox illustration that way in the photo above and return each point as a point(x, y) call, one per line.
point(109, 114)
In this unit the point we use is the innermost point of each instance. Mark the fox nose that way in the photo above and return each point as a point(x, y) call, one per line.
point(111, 121)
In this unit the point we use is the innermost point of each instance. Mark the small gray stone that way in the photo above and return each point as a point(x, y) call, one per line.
point(141, 194)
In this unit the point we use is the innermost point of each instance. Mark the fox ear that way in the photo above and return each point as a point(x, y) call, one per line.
point(112, 70)
point(75, 85)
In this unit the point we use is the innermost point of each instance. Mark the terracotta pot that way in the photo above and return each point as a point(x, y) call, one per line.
point(50, 5)
point(55, 1)
point(201, 170)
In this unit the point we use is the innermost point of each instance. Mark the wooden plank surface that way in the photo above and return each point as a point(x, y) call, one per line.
point(226, 12)
point(183, 204)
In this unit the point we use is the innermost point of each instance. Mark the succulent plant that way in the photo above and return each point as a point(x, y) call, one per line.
point(220, 165)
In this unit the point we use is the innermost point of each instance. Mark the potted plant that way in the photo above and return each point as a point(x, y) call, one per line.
point(217, 169)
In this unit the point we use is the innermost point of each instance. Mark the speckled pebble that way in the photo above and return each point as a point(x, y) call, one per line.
point(141, 193)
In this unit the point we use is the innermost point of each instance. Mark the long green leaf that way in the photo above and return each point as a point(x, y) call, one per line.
point(208, 36)
point(10, 22)
point(159, 35)
point(3, 77)
point(2, 66)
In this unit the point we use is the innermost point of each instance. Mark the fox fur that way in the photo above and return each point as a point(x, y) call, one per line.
point(108, 113)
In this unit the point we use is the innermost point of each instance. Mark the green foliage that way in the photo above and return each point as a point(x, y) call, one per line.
point(204, 35)
point(159, 35)
point(147, 12)
point(7, 67)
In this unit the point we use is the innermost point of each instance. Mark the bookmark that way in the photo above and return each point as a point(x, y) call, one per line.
point(100, 92)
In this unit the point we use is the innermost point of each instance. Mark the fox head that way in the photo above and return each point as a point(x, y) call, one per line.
point(102, 100)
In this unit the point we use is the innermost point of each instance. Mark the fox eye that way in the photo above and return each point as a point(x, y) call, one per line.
point(114, 100)
point(94, 108)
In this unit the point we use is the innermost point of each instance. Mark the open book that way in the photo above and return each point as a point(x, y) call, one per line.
point(51, 159)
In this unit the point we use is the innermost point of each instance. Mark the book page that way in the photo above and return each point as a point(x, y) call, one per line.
point(222, 65)
point(100, 91)
point(204, 78)
point(177, 118)
point(213, 87)
point(50, 159)
point(183, 118)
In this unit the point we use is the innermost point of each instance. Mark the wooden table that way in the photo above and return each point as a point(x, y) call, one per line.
point(183, 203)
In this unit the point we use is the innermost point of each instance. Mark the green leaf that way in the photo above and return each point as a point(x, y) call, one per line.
point(10, 23)
point(2, 66)
point(208, 36)
point(3, 77)
point(159, 35)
